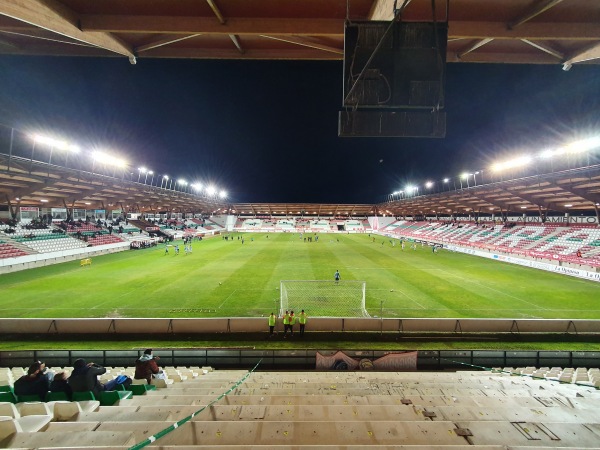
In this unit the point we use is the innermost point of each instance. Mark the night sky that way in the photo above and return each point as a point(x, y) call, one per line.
point(266, 131)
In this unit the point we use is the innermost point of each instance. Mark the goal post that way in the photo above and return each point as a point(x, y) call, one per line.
point(321, 298)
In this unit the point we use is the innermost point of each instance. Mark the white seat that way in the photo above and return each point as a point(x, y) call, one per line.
point(34, 409)
point(9, 409)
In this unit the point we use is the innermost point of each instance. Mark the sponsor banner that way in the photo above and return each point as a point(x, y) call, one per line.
point(571, 271)
point(28, 208)
point(152, 228)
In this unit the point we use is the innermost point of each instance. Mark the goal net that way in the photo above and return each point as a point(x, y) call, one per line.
point(324, 298)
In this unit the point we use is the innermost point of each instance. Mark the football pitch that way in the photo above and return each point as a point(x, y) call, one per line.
point(230, 279)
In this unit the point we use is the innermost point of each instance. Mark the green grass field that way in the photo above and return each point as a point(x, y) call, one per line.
point(227, 279)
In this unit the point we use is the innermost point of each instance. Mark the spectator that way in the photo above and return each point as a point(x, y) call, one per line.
point(36, 382)
point(85, 378)
point(61, 384)
point(146, 367)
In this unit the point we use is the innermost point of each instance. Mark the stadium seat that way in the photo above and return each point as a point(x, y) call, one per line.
point(83, 396)
point(56, 396)
point(141, 389)
point(110, 398)
point(8, 397)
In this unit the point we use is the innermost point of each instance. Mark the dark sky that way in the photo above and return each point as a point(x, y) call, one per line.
point(266, 131)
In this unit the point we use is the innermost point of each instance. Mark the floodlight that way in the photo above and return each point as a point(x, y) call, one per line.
point(583, 145)
point(548, 153)
point(166, 177)
point(181, 181)
point(107, 159)
point(446, 180)
point(568, 206)
point(211, 190)
point(428, 184)
point(223, 194)
point(87, 203)
point(142, 169)
point(516, 162)
point(55, 143)
point(197, 186)
point(523, 207)
point(43, 200)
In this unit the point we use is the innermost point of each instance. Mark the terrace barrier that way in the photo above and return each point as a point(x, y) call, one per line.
point(253, 325)
point(303, 359)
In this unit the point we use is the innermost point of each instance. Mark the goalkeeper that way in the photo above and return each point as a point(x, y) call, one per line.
point(336, 276)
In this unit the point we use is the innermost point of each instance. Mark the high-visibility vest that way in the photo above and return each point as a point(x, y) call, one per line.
point(272, 320)
point(302, 318)
point(292, 319)
point(286, 319)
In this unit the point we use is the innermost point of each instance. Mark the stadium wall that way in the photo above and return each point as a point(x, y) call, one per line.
point(46, 259)
point(140, 326)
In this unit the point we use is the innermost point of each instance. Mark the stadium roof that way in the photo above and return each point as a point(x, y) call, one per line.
point(25, 182)
point(491, 31)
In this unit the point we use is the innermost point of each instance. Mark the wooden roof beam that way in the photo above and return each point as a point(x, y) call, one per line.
point(545, 48)
point(535, 10)
point(199, 24)
point(306, 42)
point(54, 16)
point(591, 52)
point(473, 47)
point(165, 40)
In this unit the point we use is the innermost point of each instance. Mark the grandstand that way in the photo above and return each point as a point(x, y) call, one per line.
point(68, 210)
point(505, 408)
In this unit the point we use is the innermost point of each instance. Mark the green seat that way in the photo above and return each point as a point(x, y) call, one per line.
point(28, 398)
point(141, 389)
point(8, 397)
point(6, 388)
point(83, 396)
point(57, 396)
point(109, 398)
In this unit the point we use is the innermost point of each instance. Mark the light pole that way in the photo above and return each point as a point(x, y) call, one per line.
point(165, 180)
point(148, 172)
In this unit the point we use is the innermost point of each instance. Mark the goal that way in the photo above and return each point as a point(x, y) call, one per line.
point(324, 298)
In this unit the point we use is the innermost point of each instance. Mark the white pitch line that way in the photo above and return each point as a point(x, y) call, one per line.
point(225, 301)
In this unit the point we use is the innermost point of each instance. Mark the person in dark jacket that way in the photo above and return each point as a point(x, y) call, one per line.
point(36, 382)
point(85, 378)
point(146, 366)
point(61, 384)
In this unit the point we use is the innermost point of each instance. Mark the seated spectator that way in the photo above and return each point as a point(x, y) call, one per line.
point(36, 382)
point(85, 378)
point(146, 367)
point(61, 384)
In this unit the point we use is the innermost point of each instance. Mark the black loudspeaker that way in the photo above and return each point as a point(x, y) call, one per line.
point(389, 123)
point(401, 91)
point(407, 71)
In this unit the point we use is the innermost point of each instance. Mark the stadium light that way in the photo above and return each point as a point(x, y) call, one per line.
point(446, 180)
point(211, 190)
point(223, 194)
point(55, 143)
point(109, 160)
point(511, 164)
point(583, 145)
point(141, 170)
point(165, 179)
point(568, 206)
point(197, 186)
point(43, 200)
point(429, 184)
